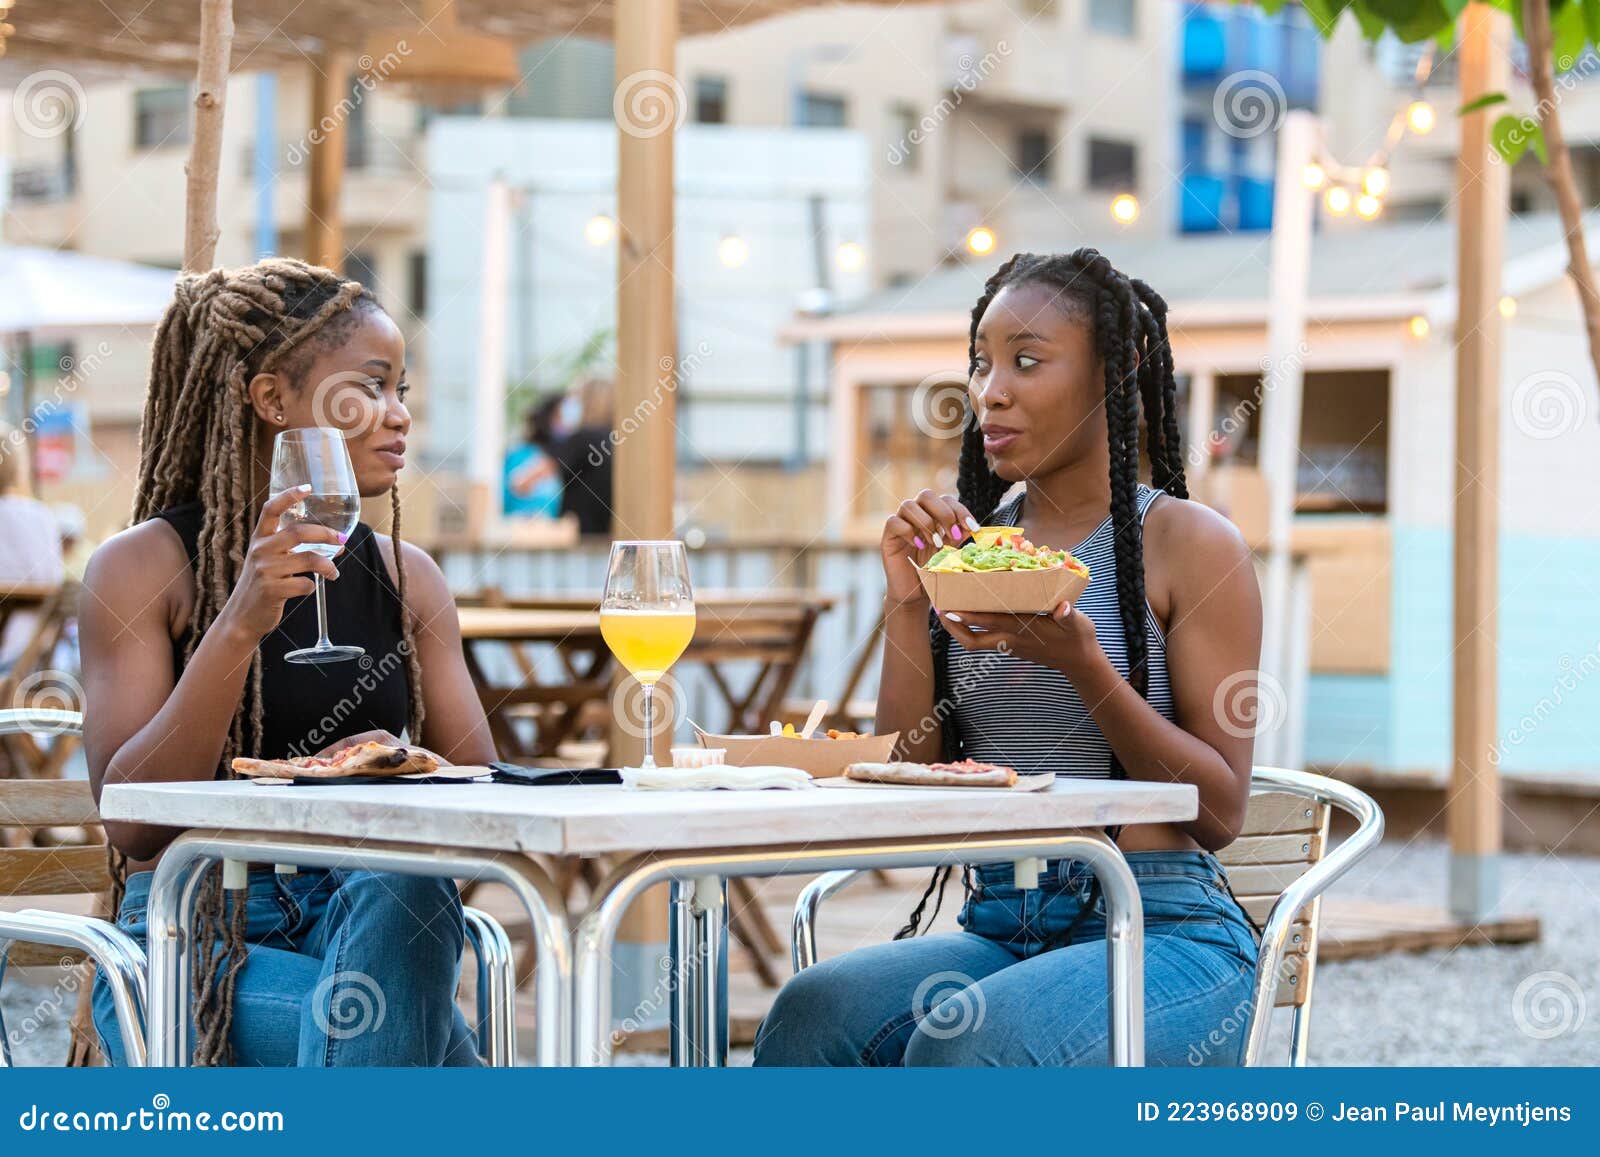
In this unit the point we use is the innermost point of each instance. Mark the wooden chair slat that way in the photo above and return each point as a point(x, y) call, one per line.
point(20, 955)
point(26, 803)
point(1272, 812)
point(53, 871)
point(1292, 986)
point(1264, 879)
point(1280, 849)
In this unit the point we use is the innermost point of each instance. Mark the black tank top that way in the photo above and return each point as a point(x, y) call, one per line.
point(306, 706)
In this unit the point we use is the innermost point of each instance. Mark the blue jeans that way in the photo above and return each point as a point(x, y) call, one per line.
point(999, 994)
point(344, 968)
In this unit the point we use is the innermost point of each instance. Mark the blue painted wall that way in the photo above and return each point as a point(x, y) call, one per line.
point(1549, 707)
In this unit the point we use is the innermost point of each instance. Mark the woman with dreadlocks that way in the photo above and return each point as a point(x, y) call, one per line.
point(1064, 353)
point(185, 621)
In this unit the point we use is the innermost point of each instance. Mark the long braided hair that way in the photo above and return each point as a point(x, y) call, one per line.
point(1129, 323)
point(197, 442)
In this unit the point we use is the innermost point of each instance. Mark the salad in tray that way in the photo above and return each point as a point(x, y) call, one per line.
point(1000, 548)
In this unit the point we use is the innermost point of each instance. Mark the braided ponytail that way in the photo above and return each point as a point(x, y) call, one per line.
point(197, 440)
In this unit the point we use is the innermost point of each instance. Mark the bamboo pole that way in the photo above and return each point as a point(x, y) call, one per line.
point(200, 230)
point(325, 141)
point(1473, 817)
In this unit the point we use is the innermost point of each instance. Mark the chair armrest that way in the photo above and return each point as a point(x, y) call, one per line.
point(119, 957)
point(803, 930)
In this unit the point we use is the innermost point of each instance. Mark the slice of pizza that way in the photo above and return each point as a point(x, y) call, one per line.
point(365, 759)
point(967, 773)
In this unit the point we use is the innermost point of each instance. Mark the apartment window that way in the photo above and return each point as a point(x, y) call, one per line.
point(1113, 164)
point(711, 100)
point(1032, 156)
point(1114, 17)
point(161, 116)
point(905, 136)
point(821, 111)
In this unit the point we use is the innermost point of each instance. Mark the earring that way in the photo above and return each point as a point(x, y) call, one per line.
point(279, 419)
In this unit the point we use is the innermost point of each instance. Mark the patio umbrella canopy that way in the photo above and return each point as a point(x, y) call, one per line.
point(47, 289)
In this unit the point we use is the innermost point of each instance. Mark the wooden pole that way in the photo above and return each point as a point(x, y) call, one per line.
point(646, 35)
point(1473, 817)
point(1288, 280)
point(200, 230)
point(325, 141)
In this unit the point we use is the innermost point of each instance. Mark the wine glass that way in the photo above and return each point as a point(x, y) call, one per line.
point(647, 616)
point(316, 456)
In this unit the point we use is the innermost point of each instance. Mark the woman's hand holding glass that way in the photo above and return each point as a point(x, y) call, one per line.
point(277, 568)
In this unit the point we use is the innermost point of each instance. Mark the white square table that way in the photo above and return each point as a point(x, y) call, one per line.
point(695, 840)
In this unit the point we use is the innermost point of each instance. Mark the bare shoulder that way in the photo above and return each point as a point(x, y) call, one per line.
point(135, 562)
point(1178, 528)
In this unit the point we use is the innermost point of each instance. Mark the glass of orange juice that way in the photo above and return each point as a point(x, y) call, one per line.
point(647, 616)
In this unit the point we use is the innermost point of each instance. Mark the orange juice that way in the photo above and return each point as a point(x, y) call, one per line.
point(647, 642)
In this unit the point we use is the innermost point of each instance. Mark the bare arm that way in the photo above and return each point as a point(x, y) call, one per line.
point(1213, 650)
point(142, 723)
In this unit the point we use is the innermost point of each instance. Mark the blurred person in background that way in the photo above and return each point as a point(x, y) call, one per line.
point(584, 454)
point(30, 543)
point(532, 475)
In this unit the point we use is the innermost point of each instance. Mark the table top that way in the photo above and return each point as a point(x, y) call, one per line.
point(600, 820)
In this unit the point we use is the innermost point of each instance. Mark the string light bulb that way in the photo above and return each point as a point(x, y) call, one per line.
point(1314, 176)
point(1337, 200)
point(1418, 326)
point(1420, 116)
point(981, 241)
point(1125, 208)
point(1376, 181)
point(599, 230)
point(1508, 307)
point(1368, 206)
point(733, 251)
point(850, 257)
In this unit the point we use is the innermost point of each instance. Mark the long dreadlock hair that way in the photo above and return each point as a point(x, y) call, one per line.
point(1129, 323)
point(197, 442)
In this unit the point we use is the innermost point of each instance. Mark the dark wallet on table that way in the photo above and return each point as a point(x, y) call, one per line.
point(555, 776)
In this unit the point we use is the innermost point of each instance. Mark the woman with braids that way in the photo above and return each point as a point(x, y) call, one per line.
point(185, 621)
point(1065, 353)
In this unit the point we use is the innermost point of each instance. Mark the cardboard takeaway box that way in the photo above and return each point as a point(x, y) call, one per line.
point(1017, 592)
point(819, 758)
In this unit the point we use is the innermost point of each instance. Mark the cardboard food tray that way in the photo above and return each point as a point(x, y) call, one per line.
point(818, 758)
point(1024, 783)
point(1017, 592)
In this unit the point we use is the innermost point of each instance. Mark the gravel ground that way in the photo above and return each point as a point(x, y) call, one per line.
point(1536, 1004)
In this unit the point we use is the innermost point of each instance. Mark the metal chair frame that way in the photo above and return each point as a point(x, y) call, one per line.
point(1303, 892)
point(122, 962)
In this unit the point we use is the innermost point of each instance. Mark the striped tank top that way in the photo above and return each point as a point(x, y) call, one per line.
point(1011, 711)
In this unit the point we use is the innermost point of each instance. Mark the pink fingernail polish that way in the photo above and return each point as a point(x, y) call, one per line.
point(918, 540)
point(344, 538)
point(955, 533)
